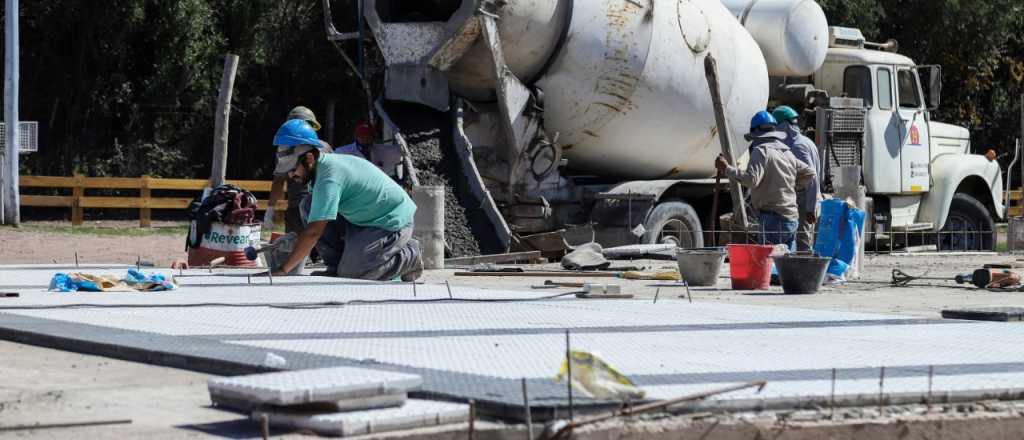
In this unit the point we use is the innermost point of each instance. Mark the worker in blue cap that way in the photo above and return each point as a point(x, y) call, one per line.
point(774, 175)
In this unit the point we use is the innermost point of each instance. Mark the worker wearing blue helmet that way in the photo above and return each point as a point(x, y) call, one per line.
point(774, 175)
point(359, 219)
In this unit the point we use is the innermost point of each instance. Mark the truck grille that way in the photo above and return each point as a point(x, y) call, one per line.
point(845, 136)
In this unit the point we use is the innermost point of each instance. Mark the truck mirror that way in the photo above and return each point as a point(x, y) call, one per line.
point(931, 82)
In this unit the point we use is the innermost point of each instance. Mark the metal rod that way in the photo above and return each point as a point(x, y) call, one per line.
point(688, 295)
point(832, 397)
point(931, 376)
point(265, 426)
point(447, 285)
point(527, 412)
point(629, 411)
point(568, 378)
point(472, 418)
point(881, 393)
point(414, 289)
point(657, 293)
point(76, 258)
point(65, 425)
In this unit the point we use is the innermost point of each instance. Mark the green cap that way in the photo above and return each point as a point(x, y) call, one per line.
point(785, 113)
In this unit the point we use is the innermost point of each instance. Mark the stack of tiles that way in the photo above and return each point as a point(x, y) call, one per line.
point(340, 401)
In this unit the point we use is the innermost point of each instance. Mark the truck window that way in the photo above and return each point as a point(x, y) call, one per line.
point(910, 96)
point(884, 89)
point(857, 84)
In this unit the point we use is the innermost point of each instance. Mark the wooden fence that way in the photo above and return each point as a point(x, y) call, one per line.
point(78, 201)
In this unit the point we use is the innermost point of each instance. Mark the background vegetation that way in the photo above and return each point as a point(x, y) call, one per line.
point(128, 87)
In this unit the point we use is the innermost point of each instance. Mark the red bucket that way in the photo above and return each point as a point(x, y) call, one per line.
point(750, 266)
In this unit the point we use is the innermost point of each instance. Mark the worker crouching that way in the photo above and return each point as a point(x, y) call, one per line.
point(366, 210)
point(774, 175)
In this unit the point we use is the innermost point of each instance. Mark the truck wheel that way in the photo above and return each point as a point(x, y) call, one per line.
point(673, 222)
point(969, 227)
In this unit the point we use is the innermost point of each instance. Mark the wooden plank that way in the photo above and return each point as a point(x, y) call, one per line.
point(253, 185)
point(1013, 195)
point(48, 201)
point(110, 202)
point(1015, 211)
point(179, 184)
point(168, 203)
point(145, 214)
point(47, 182)
point(494, 259)
point(112, 182)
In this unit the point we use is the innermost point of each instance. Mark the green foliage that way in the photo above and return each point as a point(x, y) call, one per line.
point(979, 45)
point(129, 87)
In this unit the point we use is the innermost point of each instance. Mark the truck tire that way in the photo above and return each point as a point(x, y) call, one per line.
point(969, 227)
point(673, 221)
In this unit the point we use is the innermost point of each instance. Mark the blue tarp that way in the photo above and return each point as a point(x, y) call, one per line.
point(840, 229)
point(137, 281)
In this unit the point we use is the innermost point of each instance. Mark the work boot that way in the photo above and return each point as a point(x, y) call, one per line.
point(415, 273)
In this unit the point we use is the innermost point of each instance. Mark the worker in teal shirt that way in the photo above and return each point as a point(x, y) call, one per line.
point(371, 220)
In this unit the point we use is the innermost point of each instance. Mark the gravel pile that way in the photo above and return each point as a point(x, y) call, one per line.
point(467, 231)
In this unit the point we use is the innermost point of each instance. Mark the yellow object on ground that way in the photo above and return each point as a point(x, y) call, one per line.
point(596, 379)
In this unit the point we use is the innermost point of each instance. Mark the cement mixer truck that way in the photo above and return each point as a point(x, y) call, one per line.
point(595, 117)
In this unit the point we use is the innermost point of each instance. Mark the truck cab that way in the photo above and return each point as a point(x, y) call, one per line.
point(924, 183)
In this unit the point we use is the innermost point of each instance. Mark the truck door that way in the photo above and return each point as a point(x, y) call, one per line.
point(914, 147)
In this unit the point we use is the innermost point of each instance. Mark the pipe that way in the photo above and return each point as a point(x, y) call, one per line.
point(1009, 177)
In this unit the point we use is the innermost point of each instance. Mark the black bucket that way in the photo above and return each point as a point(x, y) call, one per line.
point(801, 274)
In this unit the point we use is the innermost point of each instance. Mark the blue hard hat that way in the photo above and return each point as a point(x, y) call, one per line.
point(762, 118)
point(296, 132)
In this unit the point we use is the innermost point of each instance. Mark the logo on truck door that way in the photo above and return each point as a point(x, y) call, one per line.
point(915, 136)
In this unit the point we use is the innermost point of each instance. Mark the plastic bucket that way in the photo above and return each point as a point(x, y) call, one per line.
point(700, 267)
point(750, 266)
point(223, 240)
point(801, 274)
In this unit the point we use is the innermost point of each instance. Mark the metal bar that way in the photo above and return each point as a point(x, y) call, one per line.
point(497, 258)
point(65, 425)
point(527, 412)
point(568, 377)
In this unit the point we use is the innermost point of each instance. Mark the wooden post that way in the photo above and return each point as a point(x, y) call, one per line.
point(220, 136)
point(77, 192)
point(145, 213)
point(10, 193)
point(739, 216)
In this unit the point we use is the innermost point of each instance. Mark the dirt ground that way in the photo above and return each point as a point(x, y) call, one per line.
point(39, 385)
point(95, 242)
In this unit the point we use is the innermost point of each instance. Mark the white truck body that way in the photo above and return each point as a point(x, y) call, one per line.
point(626, 103)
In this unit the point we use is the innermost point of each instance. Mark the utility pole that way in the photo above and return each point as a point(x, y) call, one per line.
point(11, 203)
point(220, 135)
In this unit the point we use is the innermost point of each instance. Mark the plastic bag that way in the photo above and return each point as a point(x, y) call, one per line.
point(596, 379)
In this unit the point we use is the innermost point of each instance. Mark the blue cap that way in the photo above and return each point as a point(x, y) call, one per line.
point(296, 132)
point(762, 118)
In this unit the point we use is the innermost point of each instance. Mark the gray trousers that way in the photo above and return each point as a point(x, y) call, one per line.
point(368, 253)
point(805, 235)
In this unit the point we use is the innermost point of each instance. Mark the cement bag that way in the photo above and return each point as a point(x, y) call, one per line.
point(840, 229)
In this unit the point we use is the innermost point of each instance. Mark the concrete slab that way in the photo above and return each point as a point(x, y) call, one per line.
point(312, 386)
point(414, 414)
point(477, 343)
